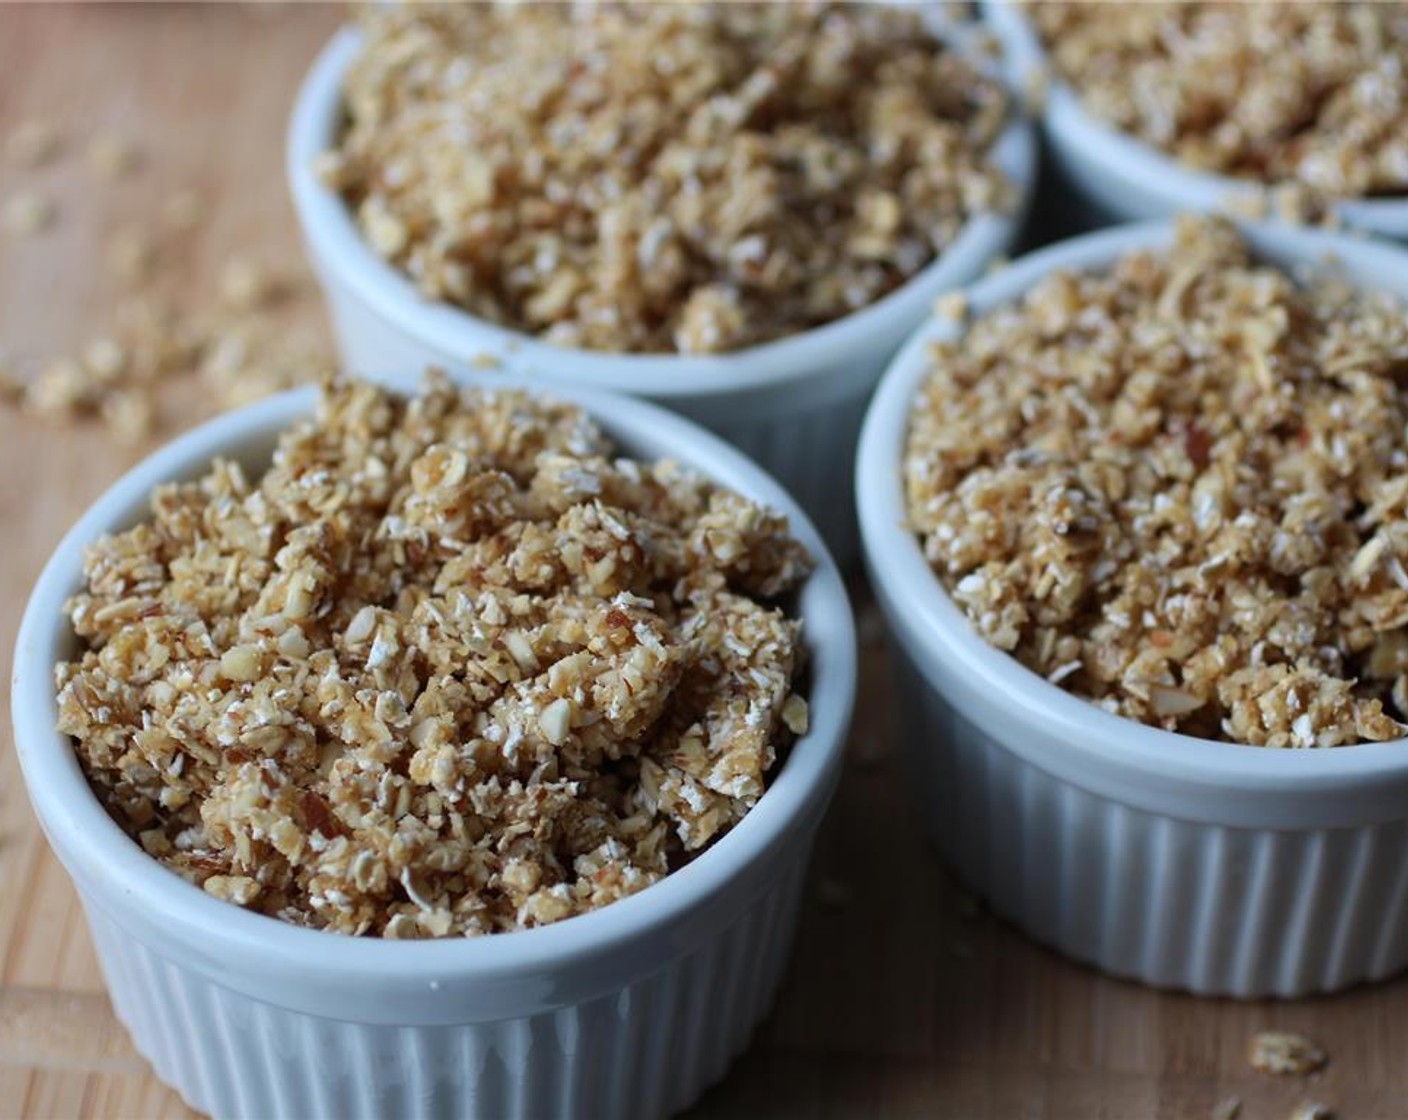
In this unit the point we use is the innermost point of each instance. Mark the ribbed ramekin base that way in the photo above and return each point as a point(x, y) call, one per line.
point(645, 1051)
point(1173, 903)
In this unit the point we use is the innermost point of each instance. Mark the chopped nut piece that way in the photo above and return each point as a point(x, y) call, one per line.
point(555, 721)
point(450, 666)
point(1310, 1110)
point(240, 663)
point(795, 715)
point(1166, 701)
point(663, 177)
point(362, 625)
point(1281, 1052)
point(521, 650)
point(27, 213)
point(1176, 488)
point(239, 889)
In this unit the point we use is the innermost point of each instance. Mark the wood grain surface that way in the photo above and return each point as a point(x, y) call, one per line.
point(901, 1000)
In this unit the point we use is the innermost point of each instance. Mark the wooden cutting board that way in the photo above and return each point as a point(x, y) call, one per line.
point(901, 1000)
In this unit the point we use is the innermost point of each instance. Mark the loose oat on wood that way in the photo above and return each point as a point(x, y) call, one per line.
point(1284, 1053)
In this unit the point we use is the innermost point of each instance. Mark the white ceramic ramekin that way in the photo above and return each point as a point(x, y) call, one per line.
point(631, 1010)
point(794, 405)
point(1185, 863)
point(1121, 178)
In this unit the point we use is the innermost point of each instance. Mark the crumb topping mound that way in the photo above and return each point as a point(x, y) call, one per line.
point(449, 667)
point(660, 178)
point(1312, 95)
point(1178, 488)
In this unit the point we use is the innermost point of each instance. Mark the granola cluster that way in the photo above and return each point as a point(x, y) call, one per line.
point(1309, 94)
point(652, 177)
point(449, 667)
point(1180, 489)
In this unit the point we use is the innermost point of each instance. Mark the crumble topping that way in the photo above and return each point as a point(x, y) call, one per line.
point(1310, 95)
point(450, 666)
point(1178, 489)
point(662, 177)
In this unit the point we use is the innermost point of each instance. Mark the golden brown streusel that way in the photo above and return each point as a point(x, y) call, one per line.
point(1178, 488)
point(449, 667)
point(662, 177)
point(1313, 95)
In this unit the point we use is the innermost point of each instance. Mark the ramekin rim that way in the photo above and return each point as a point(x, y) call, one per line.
point(330, 230)
point(1065, 113)
point(65, 803)
point(942, 631)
